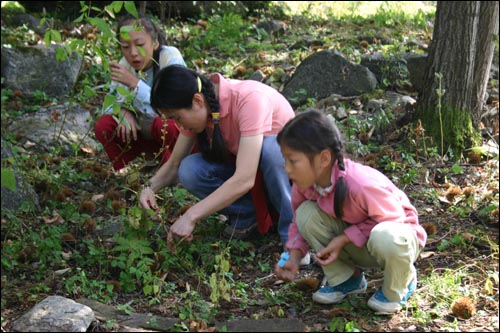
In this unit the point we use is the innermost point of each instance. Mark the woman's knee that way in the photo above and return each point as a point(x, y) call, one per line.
point(189, 173)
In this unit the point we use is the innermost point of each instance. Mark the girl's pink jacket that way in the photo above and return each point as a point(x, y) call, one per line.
point(372, 198)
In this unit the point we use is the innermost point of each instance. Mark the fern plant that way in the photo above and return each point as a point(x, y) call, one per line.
point(133, 261)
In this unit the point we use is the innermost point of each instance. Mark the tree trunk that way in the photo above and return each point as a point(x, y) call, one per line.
point(488, 29)
point(461, 51)
point(142, 7)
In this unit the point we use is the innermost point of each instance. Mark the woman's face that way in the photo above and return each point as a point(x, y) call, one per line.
point(138, 50)
point(193, 119)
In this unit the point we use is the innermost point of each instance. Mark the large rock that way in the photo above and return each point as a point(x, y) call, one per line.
point(33, 23)
point(30, 68)
point(391, 68)
point(265, 325)
point(24, 192)
point(325, 73)
point(55, 314)
point(401, 66)
point(417, 65)
point(56, 125)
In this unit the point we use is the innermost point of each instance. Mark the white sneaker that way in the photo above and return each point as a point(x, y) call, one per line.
point(331, 295)
point(380, 304)
point(306, 260)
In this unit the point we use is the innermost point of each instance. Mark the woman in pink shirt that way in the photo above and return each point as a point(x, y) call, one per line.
point(235, 124)
point(352, 215)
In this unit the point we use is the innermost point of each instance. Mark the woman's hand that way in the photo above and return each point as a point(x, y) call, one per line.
point(180, 230)
point(147, 199)
point(289, 271)
point(120, 74)
point(127, 126)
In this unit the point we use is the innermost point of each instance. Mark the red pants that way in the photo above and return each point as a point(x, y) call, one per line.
point(164, 132)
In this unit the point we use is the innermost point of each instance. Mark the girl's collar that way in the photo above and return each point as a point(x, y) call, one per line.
point(323, 191)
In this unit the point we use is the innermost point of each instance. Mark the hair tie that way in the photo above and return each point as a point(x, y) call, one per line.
point(342, 173)
point(199, 83)
point(215, 117)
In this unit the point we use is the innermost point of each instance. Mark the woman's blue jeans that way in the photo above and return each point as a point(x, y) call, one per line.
point(201, 178)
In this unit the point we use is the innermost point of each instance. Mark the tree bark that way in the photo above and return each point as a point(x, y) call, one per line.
point(462, 52)
point(488, 29)
point(142, 7)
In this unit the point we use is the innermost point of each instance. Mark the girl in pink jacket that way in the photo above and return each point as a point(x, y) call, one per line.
point(352, 215)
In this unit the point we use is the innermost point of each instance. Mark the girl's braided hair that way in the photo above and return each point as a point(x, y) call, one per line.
point(310, 132)
point(174, 88)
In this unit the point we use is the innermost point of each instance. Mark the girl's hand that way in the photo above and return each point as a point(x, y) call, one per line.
point(127, 127)
point(289, 271)
point(147, 199)
point(123, 75)
point(331, 252)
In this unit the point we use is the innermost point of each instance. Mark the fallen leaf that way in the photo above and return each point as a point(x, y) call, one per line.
point(88, 150)
point(307, 284)
point(62, 271)
point(427, 254)
point(97, 197)
point(28, 144)
point(54, 115)
point(55, 218)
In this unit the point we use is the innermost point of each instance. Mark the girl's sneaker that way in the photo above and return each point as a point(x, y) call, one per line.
point(306, 260)
point(331, 295)
point(380, 304)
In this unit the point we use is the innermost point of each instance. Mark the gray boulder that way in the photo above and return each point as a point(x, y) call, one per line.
point(325, 73)
point(55, 314)
point(23, 193)
point(31, 68)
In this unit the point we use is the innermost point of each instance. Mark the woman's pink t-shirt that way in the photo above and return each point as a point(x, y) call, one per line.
point(248, 108)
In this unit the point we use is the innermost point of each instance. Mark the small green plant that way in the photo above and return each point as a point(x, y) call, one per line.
point(440, 93)
point(111, 324)
point(264, 266)
point(232, 27)
point(134, 263)
point(339, 324)
point(140, 220)
point(125, 308)
point(195, 308)
point(457, 240)
point(219, 280)
point(79, 285)
point(8, 179)
point(410, 176)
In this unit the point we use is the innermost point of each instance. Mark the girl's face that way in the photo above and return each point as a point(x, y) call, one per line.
point(305, 172)
point(138, 50)
point(193, 119)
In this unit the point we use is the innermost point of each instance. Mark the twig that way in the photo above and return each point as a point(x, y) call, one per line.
point(265, 277)
point(437, 241)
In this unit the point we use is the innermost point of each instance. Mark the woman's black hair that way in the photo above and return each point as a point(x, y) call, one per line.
point(157, 35)
point(174, 88)
point(310, 132)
